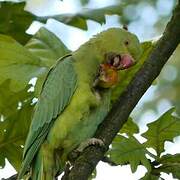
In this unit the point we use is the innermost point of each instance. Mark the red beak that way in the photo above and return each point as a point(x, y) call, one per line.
point(126, 61)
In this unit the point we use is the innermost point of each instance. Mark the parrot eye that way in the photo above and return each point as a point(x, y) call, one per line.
point(126, 43)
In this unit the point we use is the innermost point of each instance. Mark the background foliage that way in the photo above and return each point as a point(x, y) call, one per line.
point(25, 58)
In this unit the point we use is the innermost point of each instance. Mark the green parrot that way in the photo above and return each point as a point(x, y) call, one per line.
point(75, 98)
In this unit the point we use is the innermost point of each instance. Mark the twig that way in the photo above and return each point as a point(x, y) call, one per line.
point(109, 161)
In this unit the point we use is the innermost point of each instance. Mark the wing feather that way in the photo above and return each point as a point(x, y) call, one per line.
point(56, 93)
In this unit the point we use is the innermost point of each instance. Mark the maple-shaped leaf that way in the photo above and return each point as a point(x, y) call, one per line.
point(14, 20)
point(130, 127)
point(150, 176)
point(13, 132)
point(129, 150)
point(47, 47)
point(165, 128)
point(17, 64)
point(79, 19)
point(170, 164)
point(9, 99)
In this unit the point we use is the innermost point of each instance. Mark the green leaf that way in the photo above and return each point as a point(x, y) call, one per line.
point(93, 175)
point(2, 161)
point(13, 131)
point(48, 48)
point(170, 164)
point(17, 64)
point(84, 2)
point(14, 20)
point(129, 150)
point(15, 61)
point(79, 19)
point(150, 176)
point(18, 20)
point(9, 99)
point(130, 127)
point(165, 128)
point(14, 122)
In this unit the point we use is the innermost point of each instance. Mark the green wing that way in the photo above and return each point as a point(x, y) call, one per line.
point(57, 91)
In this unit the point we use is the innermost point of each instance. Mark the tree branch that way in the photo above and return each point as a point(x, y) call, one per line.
point(87, 161)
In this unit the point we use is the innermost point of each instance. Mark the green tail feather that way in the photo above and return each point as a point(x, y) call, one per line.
point(44, 166)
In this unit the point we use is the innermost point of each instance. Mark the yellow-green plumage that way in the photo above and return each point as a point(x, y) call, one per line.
point(69, 111)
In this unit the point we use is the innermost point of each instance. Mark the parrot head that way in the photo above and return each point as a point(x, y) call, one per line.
point(122, 50)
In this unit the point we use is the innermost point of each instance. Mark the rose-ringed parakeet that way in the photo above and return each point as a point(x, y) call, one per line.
point(75, 98)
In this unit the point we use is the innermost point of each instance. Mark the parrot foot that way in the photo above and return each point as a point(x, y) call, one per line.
point(66, 171)
point(88, 142)
point(76, 152)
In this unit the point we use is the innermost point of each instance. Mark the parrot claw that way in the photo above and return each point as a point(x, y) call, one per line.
point(88, 142)
point(95, 141)
point(76, 152)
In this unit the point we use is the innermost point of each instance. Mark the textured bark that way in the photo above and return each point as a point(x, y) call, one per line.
point(87, 161)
